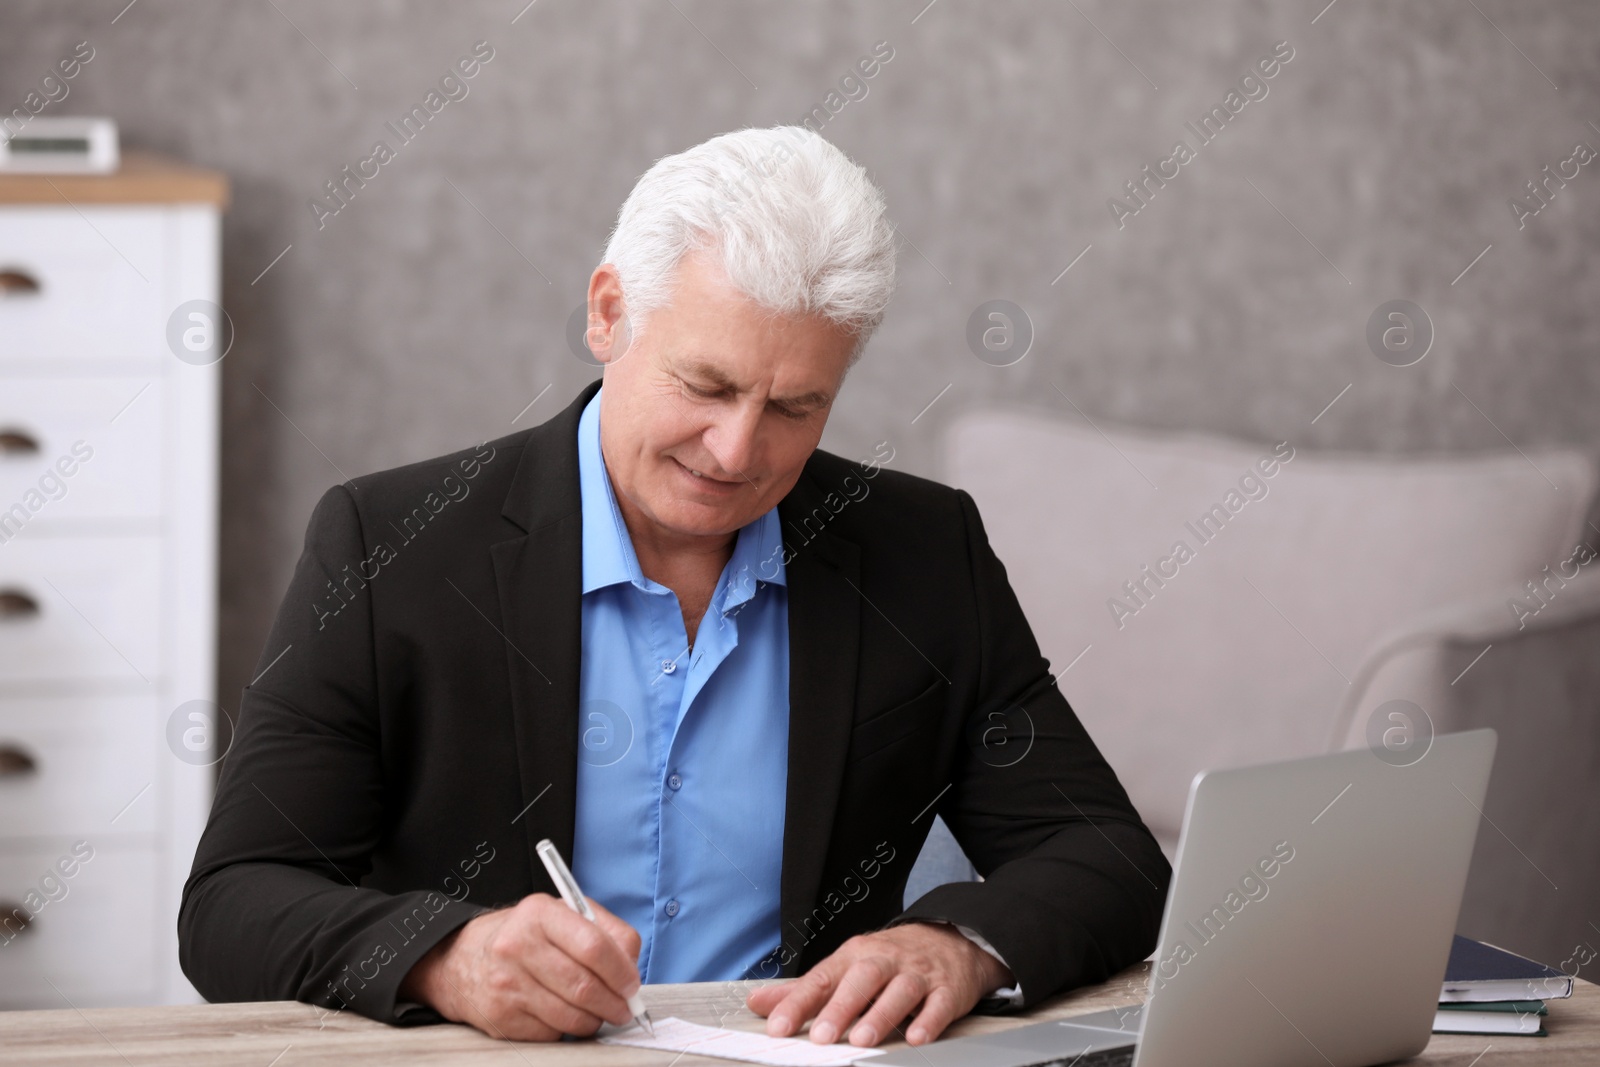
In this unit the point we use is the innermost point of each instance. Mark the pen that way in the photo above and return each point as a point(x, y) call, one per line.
point(568, 885)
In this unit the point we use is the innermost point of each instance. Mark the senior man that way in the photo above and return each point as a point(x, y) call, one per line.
point(733, 677)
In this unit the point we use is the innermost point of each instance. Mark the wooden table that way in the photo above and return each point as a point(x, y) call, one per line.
point(287, 1034)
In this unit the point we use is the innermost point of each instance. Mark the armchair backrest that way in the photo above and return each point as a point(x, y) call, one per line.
point(1221, 594)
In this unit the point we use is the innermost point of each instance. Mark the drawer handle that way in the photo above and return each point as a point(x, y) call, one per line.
point(14, 919)
point(15, 604)
point(15, 282)
point(15, 762)
point(14, 442)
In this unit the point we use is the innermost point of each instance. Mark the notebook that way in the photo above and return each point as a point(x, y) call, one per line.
point(1499, 1017)
point(1478, 972)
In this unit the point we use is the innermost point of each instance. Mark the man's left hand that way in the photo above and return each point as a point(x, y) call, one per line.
point(879, 978)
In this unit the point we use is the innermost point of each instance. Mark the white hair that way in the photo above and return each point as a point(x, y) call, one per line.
point(801, 229)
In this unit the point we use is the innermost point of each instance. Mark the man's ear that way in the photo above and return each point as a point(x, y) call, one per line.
point(609, 341)
point(597, 337)
point(608, 332)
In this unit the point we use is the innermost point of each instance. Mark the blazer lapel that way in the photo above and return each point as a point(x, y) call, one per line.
point(539, 577)
point(824, 630)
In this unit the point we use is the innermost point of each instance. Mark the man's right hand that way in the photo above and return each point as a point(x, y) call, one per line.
point(531, 972)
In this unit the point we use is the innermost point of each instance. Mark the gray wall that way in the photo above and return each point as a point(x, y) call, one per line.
point(414, 322)
point(424, 317)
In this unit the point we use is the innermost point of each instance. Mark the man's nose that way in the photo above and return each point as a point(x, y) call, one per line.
point(731, 438)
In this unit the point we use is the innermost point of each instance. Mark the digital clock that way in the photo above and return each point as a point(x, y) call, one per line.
point(63, 145)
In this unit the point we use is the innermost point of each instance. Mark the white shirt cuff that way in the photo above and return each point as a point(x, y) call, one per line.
point(1012, 995)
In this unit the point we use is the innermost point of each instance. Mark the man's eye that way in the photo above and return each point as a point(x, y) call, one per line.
point(695, 390)
point(791, 413)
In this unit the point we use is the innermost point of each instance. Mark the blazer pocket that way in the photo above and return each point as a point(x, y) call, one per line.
point(884, 728)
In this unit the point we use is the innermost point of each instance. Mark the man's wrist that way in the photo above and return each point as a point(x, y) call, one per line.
point(997, 974)
point(426, 983)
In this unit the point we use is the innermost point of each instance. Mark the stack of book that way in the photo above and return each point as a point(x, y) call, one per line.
point(1488, 990)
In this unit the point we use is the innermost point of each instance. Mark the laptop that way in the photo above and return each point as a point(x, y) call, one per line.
point(1309, 921)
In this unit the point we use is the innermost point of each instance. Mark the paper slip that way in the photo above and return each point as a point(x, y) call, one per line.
point(675, 1035)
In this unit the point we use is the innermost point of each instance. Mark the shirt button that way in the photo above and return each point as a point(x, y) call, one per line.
point(672, 908)
point(676, 781)
point(668, 666)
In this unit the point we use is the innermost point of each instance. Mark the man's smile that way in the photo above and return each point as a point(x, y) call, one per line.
point(705, 482)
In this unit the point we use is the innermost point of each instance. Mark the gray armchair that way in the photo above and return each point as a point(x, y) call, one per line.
point(1311, 590)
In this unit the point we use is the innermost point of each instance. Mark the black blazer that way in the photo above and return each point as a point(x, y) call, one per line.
point(414, 731)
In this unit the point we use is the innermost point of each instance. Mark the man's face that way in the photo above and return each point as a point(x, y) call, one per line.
point(707, 419)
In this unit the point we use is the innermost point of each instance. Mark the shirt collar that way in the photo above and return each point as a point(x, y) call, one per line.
point(608, 556)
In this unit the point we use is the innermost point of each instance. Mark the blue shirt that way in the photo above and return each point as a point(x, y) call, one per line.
point(683, 756)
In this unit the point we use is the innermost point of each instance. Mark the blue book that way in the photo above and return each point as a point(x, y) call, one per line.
point(1479, 972)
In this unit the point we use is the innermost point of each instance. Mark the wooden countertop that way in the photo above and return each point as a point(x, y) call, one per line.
point(287, 1034)
point(142, 178)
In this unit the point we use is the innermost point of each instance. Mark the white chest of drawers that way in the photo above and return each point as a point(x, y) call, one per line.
point(108, 533)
